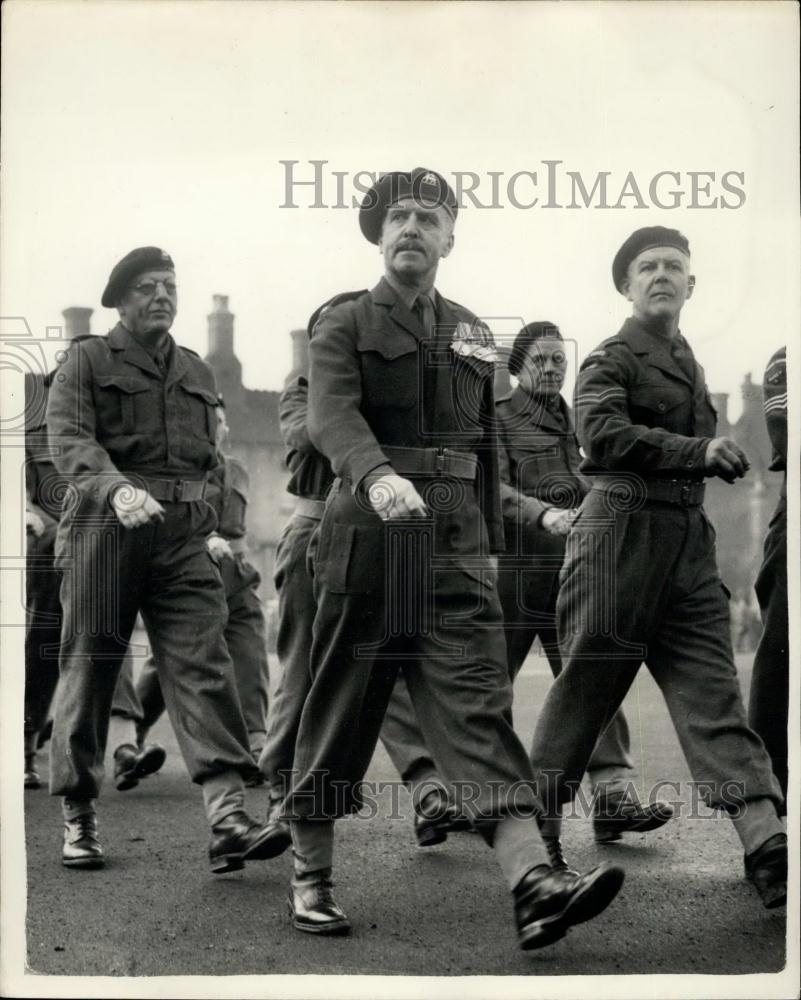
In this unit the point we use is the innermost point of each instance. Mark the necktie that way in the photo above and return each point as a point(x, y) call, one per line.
point(681, 356)
point(424, 310)
point(432, 363)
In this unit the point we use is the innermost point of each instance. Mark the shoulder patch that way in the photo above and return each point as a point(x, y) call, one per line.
point(335, 301)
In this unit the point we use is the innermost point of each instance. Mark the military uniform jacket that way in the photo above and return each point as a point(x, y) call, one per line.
point(366, 369)
point(638, 410)
point(539, 459)
point(311, 474)
point(43, 485)
point(227, 492)
point(111, 410)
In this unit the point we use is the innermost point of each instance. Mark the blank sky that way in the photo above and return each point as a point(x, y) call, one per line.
point(158, 122)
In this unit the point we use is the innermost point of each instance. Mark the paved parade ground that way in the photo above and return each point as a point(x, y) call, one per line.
point(156, 910)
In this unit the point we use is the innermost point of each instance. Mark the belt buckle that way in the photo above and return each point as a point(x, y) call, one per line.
point(439, 462)
point(684, 494)
point(178, 490)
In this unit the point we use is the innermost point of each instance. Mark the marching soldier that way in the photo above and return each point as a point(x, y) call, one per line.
point(131, 422)
point(768, 701)
point(403, 574)
point(640, 580)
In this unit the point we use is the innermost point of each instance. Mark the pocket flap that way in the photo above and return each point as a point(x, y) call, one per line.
point(123, 383)
point(198, 390)
point(389, 346)
point(657, 396)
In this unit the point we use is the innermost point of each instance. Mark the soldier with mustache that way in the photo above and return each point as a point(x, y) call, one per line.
point(401, 404)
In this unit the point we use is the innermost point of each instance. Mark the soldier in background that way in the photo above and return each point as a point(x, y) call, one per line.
point(245, 630)
point(132, 425)
point(640, 581)
point(768, 701)
point(43, 498)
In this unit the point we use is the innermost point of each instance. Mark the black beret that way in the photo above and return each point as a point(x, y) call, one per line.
point(524, 340)
point(132, 264)
point(645, 239)
point(423, 185)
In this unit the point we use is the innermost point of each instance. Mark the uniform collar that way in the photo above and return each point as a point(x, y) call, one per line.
point(636, 335)
point(557, 419)
point(121, 339)
point(385, 295)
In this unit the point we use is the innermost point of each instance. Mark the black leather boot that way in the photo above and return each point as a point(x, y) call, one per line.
point(766, 867)
point(312, 907)
point(616, 814)
point(548, 903)
point(237, 838)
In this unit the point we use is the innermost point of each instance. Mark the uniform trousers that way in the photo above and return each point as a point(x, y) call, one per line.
point(163, 570)
point(769, 696)
point(528, 601)
point(245, 638)
point(42, 631)
point(297, 607)
point(381, 608)
point(642, 585)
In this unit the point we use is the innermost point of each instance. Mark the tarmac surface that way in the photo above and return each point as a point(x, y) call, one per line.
point(156, 910)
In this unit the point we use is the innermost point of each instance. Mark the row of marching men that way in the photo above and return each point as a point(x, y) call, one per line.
point(412, 480)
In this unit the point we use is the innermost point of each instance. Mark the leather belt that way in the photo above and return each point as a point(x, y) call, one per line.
point(682, 492)
point(310, 508)
point(432, 462)
point(176, 490)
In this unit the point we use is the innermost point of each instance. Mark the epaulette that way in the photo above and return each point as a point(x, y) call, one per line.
point(335, 301)
point(189, 350)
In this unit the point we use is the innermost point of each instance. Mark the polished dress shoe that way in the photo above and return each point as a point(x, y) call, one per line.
point(81, 847)
point(434, 818)
point(616, 814)
point(548, 903)
point(766, 867)
point(131, 764)
point(312, 907)
point(237, 839)
point(31, 777)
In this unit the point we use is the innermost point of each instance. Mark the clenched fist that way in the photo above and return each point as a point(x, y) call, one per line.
point(726, 459)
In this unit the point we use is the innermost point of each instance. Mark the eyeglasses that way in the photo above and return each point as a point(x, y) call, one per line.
point(148, 288)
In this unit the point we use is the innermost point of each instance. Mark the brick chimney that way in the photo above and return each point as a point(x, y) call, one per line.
point(221, 327)
point(221, 357)
point(76, 321)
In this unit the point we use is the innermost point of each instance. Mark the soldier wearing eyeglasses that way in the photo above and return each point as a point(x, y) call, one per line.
point(132, 424)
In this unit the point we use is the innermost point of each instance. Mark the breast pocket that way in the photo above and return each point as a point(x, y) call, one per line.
point(659, 404)
point(116, 407)
point(196, 407)
point(389, 368)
